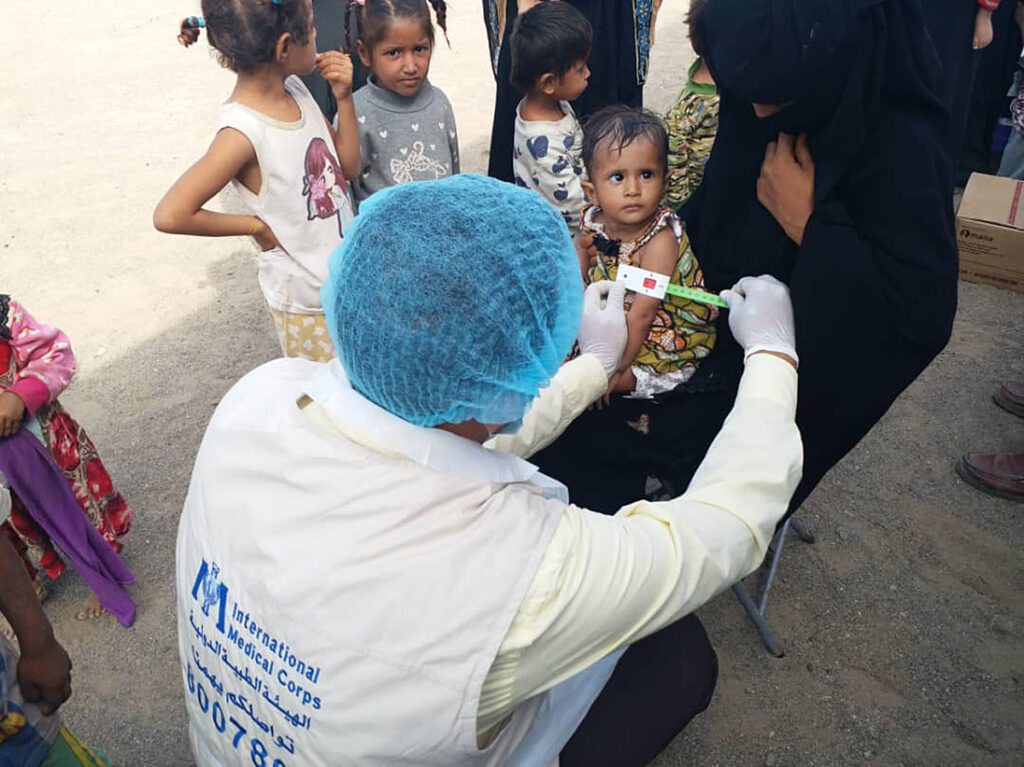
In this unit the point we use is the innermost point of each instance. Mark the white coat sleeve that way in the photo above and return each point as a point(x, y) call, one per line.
point(607, 581)
point(576, 386)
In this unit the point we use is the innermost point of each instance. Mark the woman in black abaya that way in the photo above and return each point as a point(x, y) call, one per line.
point(857, 221)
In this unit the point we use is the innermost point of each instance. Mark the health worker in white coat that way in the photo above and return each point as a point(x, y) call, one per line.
point(369, 572)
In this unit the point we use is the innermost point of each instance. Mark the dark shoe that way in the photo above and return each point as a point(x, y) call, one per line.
point(1011, 397)
point(999, 474)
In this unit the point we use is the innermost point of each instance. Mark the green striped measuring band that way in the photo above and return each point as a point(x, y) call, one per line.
point(699, 296)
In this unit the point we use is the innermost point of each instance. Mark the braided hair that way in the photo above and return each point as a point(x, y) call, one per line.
point(368, 21)
point(5, 305)
point(245, 32)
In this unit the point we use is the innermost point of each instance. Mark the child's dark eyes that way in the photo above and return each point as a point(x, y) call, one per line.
point(646, 175)
point(616, 177)
point(393, 52)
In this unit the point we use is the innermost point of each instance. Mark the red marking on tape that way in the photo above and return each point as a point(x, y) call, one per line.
point(649, 284)
point(1012, 220)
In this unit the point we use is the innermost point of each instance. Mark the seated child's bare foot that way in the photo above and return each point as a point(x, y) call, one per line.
point(91, 609)
point(40, 589)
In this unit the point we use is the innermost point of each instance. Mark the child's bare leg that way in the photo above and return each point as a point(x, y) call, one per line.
point(618, 383)
point(624, 381)
point(91, 608)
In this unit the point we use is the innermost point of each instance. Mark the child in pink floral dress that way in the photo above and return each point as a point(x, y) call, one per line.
point(36, 365)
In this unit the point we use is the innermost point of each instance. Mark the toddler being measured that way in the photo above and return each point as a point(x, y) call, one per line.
point(625, 151)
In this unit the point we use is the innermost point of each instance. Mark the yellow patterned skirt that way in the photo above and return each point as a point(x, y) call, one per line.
point(303, 335)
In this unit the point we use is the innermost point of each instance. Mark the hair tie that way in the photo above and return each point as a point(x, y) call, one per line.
point(194, 22)
point(276, 2)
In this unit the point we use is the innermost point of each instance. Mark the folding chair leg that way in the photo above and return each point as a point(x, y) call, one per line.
point(756, 612)
point(773, 565)
point(758, 619)
point(798, 527)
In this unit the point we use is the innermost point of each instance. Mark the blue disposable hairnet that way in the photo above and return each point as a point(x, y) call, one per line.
point(453, 299)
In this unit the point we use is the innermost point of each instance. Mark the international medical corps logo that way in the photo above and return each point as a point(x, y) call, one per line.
point(214, 593)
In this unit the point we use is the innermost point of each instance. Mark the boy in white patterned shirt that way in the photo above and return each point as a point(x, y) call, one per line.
point(550, 45)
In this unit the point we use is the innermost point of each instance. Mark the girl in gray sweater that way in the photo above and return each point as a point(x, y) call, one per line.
point(406, 125)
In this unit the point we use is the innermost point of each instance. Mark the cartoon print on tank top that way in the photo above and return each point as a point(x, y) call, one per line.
point(323, 186)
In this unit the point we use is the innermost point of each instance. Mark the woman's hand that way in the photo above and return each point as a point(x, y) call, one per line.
point(336, 68)
point(786, 185)
point(44, 673)
point(44, 669)
point(265, 236)
point(522, 6)
point(982, 29)
point(12, 410)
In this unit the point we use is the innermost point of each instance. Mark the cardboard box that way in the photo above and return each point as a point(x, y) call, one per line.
point(990, 232)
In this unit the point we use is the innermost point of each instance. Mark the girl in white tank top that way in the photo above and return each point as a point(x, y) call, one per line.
point(287, 163)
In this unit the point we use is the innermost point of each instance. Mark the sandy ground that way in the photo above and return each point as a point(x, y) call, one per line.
point(903, 624)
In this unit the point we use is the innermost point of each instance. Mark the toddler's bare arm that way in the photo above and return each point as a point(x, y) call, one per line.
point(659, 255)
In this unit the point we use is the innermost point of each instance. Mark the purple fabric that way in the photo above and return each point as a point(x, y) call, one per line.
point(44, 491)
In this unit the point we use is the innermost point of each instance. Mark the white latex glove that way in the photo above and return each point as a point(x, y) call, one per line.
point(603, 328)
point(761, 316)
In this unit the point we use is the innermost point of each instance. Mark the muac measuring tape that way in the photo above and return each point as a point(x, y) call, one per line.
point(657, 286)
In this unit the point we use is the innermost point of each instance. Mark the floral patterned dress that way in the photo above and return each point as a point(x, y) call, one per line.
point(683, 331)
point(37, 364)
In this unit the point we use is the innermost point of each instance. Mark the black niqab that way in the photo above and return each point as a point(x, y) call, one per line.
point(874, 281)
